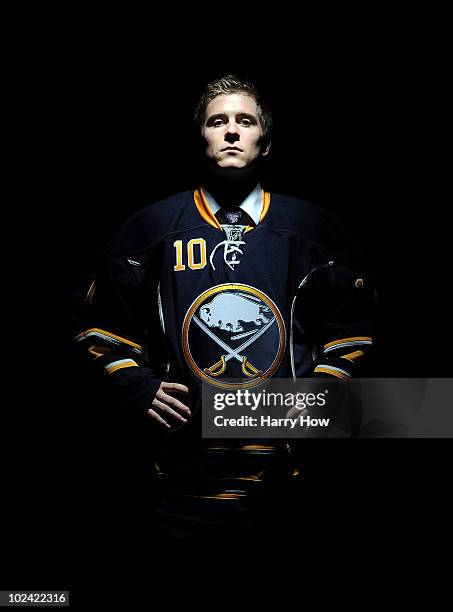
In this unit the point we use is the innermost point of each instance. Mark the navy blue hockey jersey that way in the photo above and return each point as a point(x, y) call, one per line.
point(176, 296)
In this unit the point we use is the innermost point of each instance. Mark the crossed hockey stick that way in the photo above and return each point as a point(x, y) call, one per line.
point(220, 366)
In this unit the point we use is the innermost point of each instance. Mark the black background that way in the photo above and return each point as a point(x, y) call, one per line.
point(105, 128)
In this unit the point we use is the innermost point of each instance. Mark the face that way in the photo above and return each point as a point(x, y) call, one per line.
point(232, 131)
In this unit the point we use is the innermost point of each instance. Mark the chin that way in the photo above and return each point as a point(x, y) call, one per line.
point(231, 163)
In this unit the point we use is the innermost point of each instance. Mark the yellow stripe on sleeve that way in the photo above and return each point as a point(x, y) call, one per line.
point(351, 356)
point(326, 370)
point(103, 332)
point(353, 339)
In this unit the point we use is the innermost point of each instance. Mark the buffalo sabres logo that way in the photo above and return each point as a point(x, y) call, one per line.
point(231, 332)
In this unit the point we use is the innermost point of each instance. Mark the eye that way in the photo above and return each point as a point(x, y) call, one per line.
point(217, 123)
point(246, 122)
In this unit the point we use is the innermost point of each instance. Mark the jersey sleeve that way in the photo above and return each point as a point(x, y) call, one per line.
point(347, 307)
point(109, 328)
point(348, 324)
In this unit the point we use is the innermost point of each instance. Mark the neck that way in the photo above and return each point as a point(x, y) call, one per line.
point(230, 186)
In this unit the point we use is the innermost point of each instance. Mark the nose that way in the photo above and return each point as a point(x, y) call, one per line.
point(232, 134)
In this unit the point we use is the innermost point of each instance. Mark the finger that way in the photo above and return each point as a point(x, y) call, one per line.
point(296, 412)
point(305, 412)
point(158, 418)
point(292, 412)
point(169, 399)
point(165, 408)
point(169, 386)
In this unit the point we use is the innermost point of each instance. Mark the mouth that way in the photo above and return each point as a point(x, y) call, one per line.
point(232, 149)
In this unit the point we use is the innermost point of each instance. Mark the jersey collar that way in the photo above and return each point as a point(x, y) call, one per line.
point(256, 205)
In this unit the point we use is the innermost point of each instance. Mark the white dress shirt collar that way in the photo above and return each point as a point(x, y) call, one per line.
point(252, 205)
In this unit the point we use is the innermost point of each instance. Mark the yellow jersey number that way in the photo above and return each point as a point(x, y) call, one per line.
point(196, 257)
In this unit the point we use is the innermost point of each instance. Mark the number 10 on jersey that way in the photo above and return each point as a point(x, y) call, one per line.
point(196, 254)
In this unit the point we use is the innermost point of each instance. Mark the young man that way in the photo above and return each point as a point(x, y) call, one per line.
point(228, 285)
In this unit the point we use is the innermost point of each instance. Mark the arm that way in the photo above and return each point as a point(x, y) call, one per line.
point(348, 325)
point(109, 319)
point(338, 306)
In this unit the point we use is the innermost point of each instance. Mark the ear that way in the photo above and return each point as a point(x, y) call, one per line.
point(266, 150)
